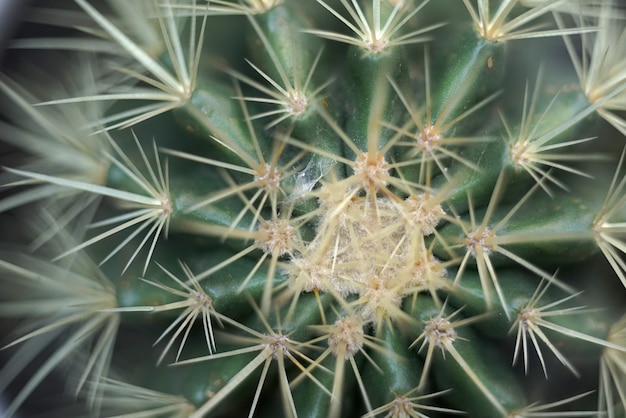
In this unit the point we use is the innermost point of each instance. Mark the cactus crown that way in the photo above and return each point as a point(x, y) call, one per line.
point(330, 208)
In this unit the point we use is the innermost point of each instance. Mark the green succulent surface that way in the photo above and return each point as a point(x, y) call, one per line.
point(315, 208)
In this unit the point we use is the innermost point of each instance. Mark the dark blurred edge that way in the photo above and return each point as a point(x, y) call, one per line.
point(10, 12)
point(10, 17)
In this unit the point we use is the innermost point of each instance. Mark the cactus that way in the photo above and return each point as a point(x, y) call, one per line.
point(324, 208)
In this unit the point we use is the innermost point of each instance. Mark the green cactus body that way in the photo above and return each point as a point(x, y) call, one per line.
point(360, 211)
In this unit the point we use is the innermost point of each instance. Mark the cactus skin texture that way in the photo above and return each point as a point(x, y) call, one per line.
point(317, 209)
